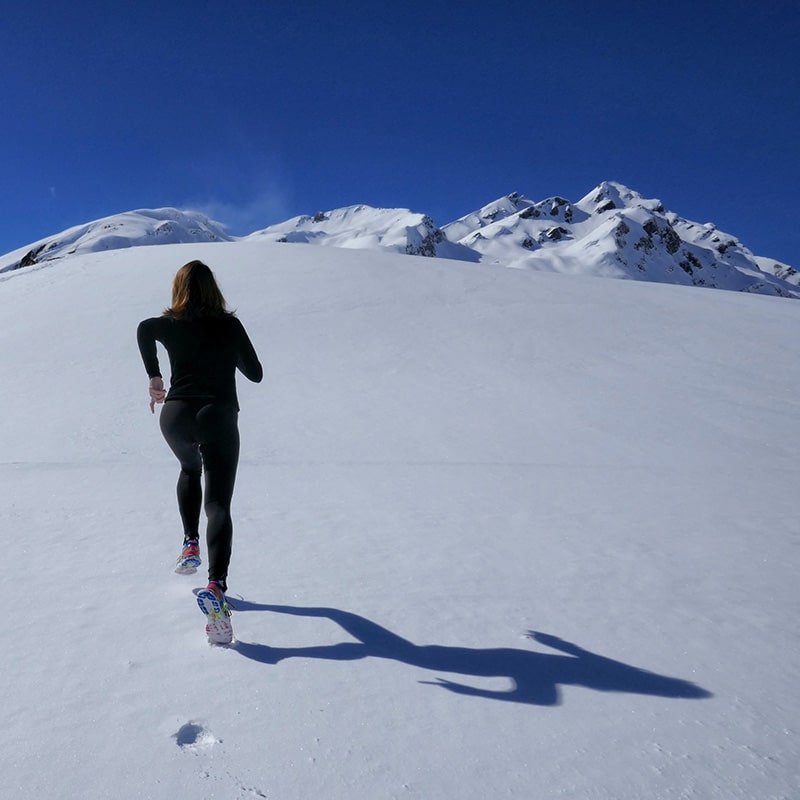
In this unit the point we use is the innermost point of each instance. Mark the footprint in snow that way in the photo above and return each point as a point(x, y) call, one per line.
point(193, 737)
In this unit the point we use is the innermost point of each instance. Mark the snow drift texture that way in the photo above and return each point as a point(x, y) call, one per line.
point(611, 232)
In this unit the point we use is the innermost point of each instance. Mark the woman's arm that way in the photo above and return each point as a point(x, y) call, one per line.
point(248, 361)
point(146, 339)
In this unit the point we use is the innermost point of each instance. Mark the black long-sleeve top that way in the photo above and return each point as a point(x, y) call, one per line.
point(204, 354)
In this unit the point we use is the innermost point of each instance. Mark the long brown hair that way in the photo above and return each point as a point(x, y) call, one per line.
point(195, 293)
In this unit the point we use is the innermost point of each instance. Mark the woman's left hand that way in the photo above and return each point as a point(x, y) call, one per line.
point(157, 393)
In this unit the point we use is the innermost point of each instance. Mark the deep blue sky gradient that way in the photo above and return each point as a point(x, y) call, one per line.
point(257, 110)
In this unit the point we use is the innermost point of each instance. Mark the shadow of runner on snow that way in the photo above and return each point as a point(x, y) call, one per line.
point(536, 676)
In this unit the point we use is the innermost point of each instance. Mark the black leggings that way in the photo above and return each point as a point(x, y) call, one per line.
point(205, 437)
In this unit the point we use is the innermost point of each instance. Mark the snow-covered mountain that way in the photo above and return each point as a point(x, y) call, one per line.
point(364, 227)
point(131, 229)
point(613, 231)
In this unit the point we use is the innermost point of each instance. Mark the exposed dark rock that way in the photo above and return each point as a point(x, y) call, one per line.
point(784, 272)
point(556, 206)
point(554, 234)
point(671, 240)
point(690, 263)
point(620, 232)
point(427, 247)
point(31, 257)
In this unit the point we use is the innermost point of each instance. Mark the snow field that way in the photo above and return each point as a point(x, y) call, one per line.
point(443, 459)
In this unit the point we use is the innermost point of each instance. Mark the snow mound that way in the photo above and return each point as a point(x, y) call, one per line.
point(130, 229)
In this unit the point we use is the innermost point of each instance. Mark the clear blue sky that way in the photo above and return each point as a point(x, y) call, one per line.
point(258, 110)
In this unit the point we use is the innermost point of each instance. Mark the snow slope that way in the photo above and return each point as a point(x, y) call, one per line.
point(498, 534)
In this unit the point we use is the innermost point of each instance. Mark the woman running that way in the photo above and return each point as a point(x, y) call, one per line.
point(206, 344)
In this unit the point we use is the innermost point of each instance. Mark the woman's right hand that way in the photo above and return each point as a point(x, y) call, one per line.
point(157, 393)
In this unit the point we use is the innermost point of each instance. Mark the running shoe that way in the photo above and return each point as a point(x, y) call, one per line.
point(214, 605)
point(189, 559)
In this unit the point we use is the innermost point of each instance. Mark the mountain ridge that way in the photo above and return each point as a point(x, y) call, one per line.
point(613, 231)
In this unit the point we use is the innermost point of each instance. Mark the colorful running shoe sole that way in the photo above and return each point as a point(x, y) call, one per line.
point(188, 566)
point(218, 626)
point(189, 559)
